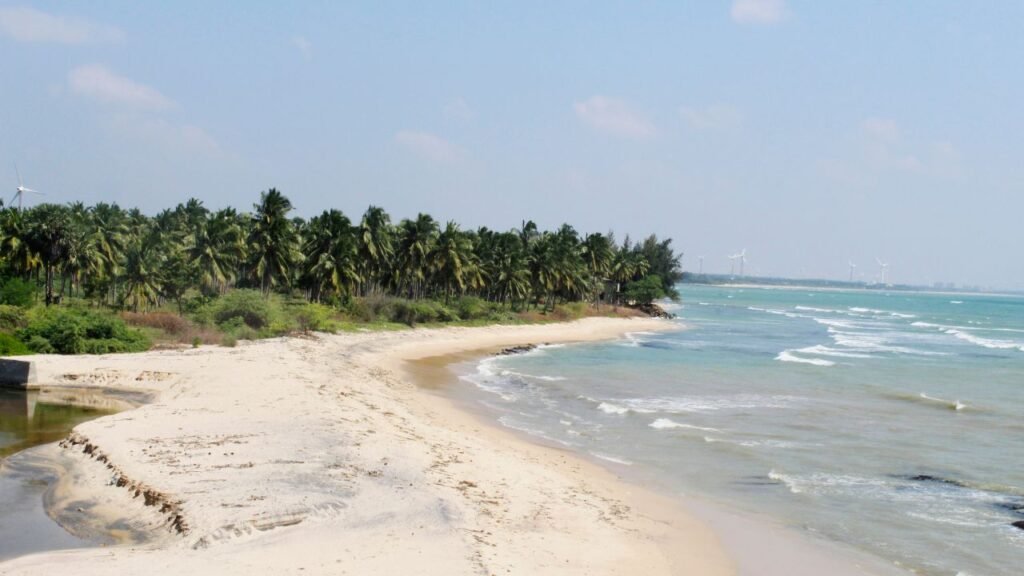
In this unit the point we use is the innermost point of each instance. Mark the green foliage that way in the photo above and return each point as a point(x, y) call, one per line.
point(228, 341)
point(12, 317)
point(197, 342)
point(243, 273)
point(238, 307)
point(645, 291)
point(17, 292)
point(80, 331)
point(315, 317)
point(11, 346)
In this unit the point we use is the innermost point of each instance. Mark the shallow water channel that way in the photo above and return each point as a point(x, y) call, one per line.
point(27, 419)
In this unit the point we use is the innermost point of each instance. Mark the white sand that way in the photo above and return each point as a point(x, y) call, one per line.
point(320, 456)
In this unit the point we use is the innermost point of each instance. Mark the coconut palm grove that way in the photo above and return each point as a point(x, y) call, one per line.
point(100, 278)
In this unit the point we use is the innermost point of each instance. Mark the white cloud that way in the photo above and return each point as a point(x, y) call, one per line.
point(430, 146)
point(613, 116)
point(30, 25)
point(304, 46)
point(458, 109)
point(99, 83)
point(881, 129)
point(758, 11)
point(714, 117)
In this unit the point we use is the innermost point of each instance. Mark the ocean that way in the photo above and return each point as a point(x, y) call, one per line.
point(891, 422)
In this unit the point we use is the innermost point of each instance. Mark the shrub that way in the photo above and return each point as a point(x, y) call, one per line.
point(11, 346)
point(12, 317)
point(40, 345)
point(644, 292)
point(315, 317)
point(166, 321)
point(78, 331)
point(471, 308)
point(228, 341)
point(17, 292)
point(197, 342)
point(249, 307)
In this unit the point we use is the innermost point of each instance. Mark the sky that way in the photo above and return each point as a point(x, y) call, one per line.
point(813, 134)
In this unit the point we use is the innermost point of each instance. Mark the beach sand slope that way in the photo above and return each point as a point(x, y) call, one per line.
point(320, 456)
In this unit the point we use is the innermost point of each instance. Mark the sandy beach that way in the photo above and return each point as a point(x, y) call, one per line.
point(321, 455)
point(336, 454)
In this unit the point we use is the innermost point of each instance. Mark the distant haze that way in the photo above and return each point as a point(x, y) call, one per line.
point(809, 133)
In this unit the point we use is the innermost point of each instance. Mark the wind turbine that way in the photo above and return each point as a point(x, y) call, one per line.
point(700, 270)
point(743, 260)
point(852, 266)
point(884, 269)
point(732, 264)
point(20, 194)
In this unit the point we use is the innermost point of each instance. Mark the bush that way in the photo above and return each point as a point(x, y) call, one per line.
point(315, 317)
point(248, 305)
point(412, 312)
point(17, 292)
point(40, 345)
point(228, 341)
point(78, 331)
point(12, 317)
point(166, 321)
point(11, 346)
point(472, 308)
point(644, 292)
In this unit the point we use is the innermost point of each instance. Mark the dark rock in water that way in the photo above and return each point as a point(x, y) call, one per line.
point(654, 311)
point(1018, 524)
point(936, 479)
point(516, 350)
point(1015, 507)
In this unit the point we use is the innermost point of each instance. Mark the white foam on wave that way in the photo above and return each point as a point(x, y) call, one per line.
point(668, 424)
point(813, 309)
point(989, 343)
point(787, 356)
point(610, 458)
point(826, 351)
point(832, 323)
point(682, 405)
point(956, 301)
point(953, 404)
point(775, 312)
point(533, 376)
point(609, 408)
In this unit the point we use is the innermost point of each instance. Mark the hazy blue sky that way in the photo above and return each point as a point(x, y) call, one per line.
point(810, 133)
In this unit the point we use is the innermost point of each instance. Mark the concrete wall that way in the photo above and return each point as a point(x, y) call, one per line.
point(17, 373)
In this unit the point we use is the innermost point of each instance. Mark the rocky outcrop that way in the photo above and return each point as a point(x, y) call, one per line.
point(654, 311)
point(521, 349)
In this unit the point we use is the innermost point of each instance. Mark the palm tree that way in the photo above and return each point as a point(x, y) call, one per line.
point(508, 269)
point(376, 248)
point(598, 253)
point(331, 255)
point(217, 247)
point(415, 241)
point(272, 241)
point(15, 250)
point(451, 259)
point(49, 235)
point(141, 277)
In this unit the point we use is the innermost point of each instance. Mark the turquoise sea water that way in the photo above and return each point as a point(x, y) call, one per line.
point(889, 421)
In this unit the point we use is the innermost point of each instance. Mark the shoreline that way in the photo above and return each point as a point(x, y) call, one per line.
point(755, 544)
point(329, 459)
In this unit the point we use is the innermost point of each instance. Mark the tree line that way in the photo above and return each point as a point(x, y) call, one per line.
point(125, 259)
